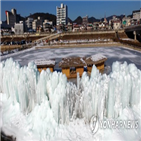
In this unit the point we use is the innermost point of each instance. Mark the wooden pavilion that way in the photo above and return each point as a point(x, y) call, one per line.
point(44, 64)
point(70, 66)
point(98, 60)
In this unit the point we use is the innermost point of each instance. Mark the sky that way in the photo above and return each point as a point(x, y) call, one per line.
point(97, 9)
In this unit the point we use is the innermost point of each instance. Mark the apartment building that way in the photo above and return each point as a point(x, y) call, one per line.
point(62, 14)
point(29, 23)
point(37, 23)
point(12, 17)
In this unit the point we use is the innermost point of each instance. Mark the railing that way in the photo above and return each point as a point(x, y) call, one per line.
point(45, 33)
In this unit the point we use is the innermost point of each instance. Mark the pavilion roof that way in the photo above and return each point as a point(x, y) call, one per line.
point(72, 62)
point(45, 63)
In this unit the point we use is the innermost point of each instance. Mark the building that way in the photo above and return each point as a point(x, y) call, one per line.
point(97, 60)
point(83, 28)
point(47, 25)
point(126, 21)
point(105, 20)
point(115, 23)
point(89, 27)
point(29, 23)
point(12, 17)
point(4, 25)
point(101, 26)
point(85, 20)
point(76, 27)
point(5, 29)
point(71, 66)
point(70, 26)
point(48, 22)
point(19, 27)
point(62, 15)
point(140, 15)
point(136, 15)
point(44, 64)
point(37, 23)
point(96, 25)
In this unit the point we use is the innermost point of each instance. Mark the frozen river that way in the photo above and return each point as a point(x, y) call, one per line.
point(112, 53)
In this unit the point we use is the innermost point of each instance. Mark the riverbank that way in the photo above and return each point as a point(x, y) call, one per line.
point(109, 44)
point(79, 45)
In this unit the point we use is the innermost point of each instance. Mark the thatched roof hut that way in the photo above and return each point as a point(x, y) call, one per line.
point(45, 63)
point(95, 59)
point(72, 62)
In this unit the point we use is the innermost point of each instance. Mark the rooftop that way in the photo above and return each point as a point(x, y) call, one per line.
point(81, 62)
point(95, 59)
point(45, 63)
point(72, 62)
point(135, 11)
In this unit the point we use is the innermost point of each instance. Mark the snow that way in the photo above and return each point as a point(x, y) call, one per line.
point(97, 57)
point(127, 39)
point(16, 53)
point(44, 106)
point(74, 41)
point(112, 54)
point(44, 62)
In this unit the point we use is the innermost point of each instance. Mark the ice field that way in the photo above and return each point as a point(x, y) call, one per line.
point(39, 107)
point(112, 53)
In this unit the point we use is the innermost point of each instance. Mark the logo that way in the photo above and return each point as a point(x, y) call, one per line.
point(94, 125)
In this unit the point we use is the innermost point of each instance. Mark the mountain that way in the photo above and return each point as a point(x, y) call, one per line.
point(121, 17)
point(47, 16)
point(78, 20)
point(20, 17)
point(111, 17)
point(69, 20)
point(92, 19)
point(131, 16)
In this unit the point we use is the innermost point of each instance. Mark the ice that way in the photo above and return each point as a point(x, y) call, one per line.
point(40, 105)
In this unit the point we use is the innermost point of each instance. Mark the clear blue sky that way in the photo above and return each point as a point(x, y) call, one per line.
point(96, 9)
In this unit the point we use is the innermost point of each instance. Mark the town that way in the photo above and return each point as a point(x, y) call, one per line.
point(15, 24)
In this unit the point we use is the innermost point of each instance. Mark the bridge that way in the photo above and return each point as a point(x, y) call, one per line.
point(134, 32)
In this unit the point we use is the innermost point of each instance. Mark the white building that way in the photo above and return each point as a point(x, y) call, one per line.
point(19, 27)
point(62, 14)
point(115, 23)
point(136, 15)
point(29, 23)
point(85, 20)
point(47, 25)
point(48, 22)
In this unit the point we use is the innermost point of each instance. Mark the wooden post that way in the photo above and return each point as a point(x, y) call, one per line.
point(100, 66)
point(80, 70)
point(135, 35)
point(66, 71)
